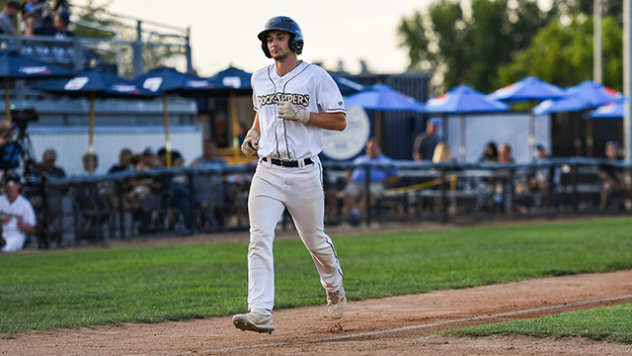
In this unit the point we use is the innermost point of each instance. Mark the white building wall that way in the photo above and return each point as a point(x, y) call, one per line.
point(71, 143)
point(512, 128)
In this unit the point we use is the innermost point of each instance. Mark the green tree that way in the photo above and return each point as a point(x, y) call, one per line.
point(563, 54)
point(466, 47)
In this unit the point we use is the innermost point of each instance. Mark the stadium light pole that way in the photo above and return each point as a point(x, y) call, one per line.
point(627, 83)
point(597, 46)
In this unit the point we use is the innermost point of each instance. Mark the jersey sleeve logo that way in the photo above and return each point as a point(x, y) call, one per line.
point(271, 99)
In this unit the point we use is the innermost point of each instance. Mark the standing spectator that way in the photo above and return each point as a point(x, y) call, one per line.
point(17, 215)
point(426, 142)
point(9, 11)
point(209, 156)
point(354, 200)
point(61, 22)
point(124, 163)
point(47, 167)
point(613, 177)
point(490, 154)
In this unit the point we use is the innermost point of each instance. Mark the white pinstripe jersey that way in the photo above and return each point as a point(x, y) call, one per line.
point(309, 87)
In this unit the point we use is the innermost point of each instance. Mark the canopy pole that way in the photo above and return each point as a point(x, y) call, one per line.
point(531, 139)
point(91, 132)
point(462, 134)
point(7, 99)
point(165, 115)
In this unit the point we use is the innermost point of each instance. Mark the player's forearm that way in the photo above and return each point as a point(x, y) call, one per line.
point(329, 121)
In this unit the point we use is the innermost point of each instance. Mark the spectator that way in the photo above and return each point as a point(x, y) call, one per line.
point(124, 163)
point(210, 188)
point(504, 153)
point(354, 200)
point(544, 177)
point(613, 177)
point(61, 22)
point(209, 156)
point(9, 11)
point(426, 142)
point(148, 160)
point(176, 158)
point(241, 132)
point(501, 185)
point(47, 167)
point(17, 215)
point(90, 165)
point(490, 154)
point(442, 153)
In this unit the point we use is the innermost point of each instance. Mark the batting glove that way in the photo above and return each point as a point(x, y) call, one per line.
point(289, 111)
point(251, 143)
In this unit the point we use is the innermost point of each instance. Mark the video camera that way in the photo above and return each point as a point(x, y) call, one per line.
point(21, 118)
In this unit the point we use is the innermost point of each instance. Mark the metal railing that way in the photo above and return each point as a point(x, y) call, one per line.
point(183, 201)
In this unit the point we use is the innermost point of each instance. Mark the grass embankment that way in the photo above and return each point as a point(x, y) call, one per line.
point(153, 284)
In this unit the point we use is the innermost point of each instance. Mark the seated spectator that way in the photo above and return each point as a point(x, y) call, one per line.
point(148, 160)
point(210, 188)
point(10, 10)
point(490, 154)
point(209, 156)
point(242, 129)
point(124, 162)
point(613, 177)
point(17, 215)
point(47, 167)
point(143, 197)
point(354, 200)
point(90, 165)
point(544, 178)
point(61, 22)
point(501, 185)
point(425, 142)
point(176, 158)
point(442, 153)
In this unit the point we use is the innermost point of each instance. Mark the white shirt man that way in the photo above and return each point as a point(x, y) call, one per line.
point(17, 215)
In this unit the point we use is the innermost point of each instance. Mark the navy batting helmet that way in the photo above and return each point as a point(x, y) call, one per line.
point(282, 23)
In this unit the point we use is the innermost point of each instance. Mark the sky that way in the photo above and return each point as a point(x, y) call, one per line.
point(224, 32)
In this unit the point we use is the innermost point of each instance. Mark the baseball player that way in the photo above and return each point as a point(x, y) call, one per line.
point(293, 100)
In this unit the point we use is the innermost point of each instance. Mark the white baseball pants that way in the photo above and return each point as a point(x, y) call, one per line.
point(300, 190)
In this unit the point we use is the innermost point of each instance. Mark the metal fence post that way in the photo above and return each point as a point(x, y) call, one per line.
point(511, 194)
point(444, 196)
point(119, 191)
point(367, 193)
point(188, 52)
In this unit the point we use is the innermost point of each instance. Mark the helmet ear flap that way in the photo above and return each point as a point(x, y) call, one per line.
point(264, 47)
point(297, 46)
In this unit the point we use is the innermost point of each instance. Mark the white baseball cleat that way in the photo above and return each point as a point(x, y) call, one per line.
point(254, 321)
point(337, 303)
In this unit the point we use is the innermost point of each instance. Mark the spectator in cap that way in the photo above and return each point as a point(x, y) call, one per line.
point(47, 167)
point(17, 215)
point(613, 177)
point(9, 11)
point(209, 156)
point(427, 141)
point(61, 22)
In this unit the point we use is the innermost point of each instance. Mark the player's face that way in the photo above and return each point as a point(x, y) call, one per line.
point(279, 45)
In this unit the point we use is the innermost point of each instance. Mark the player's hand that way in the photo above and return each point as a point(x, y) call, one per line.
point(289, 111)
point(251, 143)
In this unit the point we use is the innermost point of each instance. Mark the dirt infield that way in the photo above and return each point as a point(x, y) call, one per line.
point(392, 326)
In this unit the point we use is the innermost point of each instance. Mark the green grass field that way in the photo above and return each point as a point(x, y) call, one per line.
point(606, 323)
point(67, 289)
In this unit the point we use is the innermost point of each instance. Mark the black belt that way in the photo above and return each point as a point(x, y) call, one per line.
point(282, 163)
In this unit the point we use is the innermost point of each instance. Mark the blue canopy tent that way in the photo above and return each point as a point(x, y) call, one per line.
point(95, 83)
point(347, 86)
point(381, 97)
point(16, 66)
point(463, 100)
point(529, 89)
point(167, 80)
point(230, 82)
point(582, 97)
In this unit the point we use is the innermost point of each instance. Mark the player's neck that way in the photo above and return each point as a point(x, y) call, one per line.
point(286, 66)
